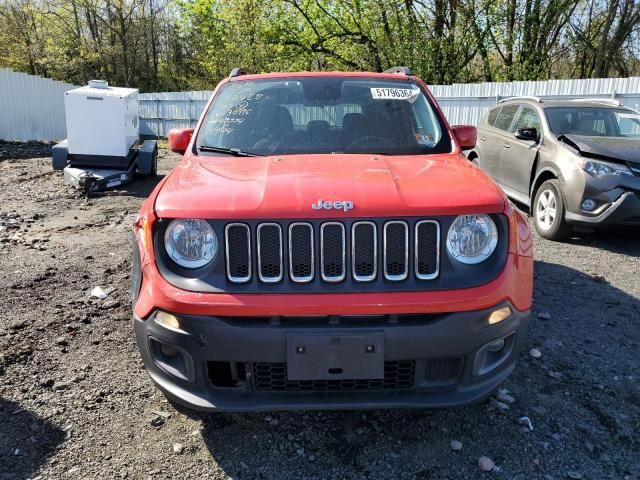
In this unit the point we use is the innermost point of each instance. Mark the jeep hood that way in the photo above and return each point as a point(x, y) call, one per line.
point(287, 186)
point(616, 148)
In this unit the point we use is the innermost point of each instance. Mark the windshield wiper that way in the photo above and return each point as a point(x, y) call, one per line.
point(236, 152)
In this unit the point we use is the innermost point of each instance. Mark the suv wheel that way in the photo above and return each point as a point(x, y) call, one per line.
point(548, 212)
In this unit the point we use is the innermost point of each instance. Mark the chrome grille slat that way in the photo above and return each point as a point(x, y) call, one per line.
point(332, 252)
point(344, 255)
point(238, 267)
point(269, 242)
point(364, 265)
point(301, 269)
point(427, 258)
point(396, 250)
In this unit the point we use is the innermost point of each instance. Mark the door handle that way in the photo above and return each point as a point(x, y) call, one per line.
point(482, 139)
point(506, 145)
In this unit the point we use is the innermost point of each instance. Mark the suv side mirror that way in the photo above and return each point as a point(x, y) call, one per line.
point(526, 134)
point(466, 136)
point(179, 139)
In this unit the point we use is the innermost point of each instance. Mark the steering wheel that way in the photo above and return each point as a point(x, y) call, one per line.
point(369, 141)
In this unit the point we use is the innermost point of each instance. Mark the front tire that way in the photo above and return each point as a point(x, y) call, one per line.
point(548, 212)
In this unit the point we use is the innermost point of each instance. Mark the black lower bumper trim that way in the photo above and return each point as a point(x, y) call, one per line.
point(427, 364)
point(624, 211)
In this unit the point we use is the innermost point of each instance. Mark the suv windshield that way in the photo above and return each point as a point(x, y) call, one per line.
point(593, 121)
point(322, 115)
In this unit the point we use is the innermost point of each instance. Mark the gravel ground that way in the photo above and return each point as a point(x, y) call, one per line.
point(75, 401)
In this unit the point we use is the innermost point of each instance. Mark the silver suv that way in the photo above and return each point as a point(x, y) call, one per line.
point(575, 163)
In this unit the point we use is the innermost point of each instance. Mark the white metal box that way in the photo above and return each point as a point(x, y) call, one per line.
point(101, 120)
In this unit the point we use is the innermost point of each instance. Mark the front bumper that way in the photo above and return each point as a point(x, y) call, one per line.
point(619, 207)
point(616, 198)
point(221, 360)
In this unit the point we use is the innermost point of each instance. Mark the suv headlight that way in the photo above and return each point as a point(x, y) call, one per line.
point(472, 238)
point(191, 243)
point(598, 168)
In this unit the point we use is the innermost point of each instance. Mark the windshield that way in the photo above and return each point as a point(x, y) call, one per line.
point(593, 121)
point(323, 115)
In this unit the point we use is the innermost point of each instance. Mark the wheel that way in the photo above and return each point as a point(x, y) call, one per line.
point(548, 211)
point(59, 157)
point(148, 162)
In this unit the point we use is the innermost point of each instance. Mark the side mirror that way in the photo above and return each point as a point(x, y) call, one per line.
point(526, 134)
point(179, 139)
point(466, 135)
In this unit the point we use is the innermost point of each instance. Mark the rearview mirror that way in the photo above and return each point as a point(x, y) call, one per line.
point(179, 139)
point(526, 134)
point(466, 136)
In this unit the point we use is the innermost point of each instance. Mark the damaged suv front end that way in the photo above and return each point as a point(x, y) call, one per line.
point(575, 163)
point(603, 188)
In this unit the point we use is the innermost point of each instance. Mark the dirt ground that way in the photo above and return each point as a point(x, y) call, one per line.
point(75, 401)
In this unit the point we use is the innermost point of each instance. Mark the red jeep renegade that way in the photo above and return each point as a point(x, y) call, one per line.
point(323, 243)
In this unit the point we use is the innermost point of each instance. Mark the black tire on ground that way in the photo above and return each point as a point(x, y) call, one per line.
point(148, 164)
point(548, 211)
point(59, 160)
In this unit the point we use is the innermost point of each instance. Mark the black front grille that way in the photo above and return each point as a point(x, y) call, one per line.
point(364, 251)
point(238, 252)
point(442, 370)
point(398, 375)
point(270, 247)
point(332, 238)
point(301, 254)
point(396, 249)
point(427, 258)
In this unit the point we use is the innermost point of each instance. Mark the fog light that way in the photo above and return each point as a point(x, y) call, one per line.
point(499, 315)
point(168, 350)
point(167, 320)
point(496, 346)
point(588, 205)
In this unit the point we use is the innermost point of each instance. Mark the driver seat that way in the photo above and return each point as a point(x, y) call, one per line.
point(353, 127)
point(276, 128)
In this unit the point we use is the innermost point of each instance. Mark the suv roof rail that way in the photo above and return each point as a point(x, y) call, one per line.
point(236, 72)
point(605, 101)
point(521, 97)
point(400, 70)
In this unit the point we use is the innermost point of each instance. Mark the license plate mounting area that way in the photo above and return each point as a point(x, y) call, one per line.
point(344, 356)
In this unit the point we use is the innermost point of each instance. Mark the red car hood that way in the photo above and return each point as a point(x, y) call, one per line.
point(287, 186)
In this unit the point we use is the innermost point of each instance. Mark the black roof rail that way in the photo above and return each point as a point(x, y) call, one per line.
point(401, 70)
point(236, 72)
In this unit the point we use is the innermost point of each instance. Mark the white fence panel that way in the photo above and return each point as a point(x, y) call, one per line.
point(463, 104)
point(31, 107)
point(160, 112)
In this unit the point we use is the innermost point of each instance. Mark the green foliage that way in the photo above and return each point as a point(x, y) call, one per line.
point(192, 44)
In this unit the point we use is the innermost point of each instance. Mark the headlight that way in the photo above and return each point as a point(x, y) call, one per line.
point(191, 243)
point(599, 168)
point(472, 238)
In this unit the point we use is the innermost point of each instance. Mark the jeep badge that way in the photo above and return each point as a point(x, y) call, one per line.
point(345, 205)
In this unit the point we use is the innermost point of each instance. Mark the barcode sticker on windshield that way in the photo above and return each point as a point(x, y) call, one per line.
point(408, 94)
